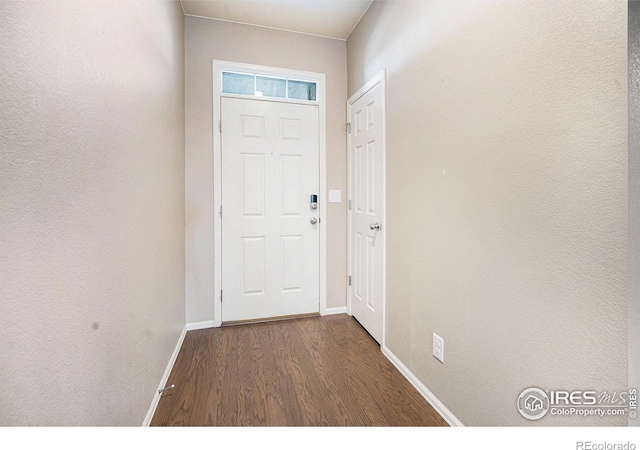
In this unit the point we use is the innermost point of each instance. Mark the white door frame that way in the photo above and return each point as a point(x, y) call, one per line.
point(379, 78)
point(319, 79)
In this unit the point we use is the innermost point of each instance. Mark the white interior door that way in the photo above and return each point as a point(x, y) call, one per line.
point(270, 245)
point(367, 230)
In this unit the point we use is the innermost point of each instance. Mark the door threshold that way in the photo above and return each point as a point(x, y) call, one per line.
point(269, 319)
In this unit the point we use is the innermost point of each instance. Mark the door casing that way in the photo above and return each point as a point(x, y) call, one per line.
point(379, 78)
point(320, 80)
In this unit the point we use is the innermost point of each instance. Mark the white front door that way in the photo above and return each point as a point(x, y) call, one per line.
point(270, 248)
point(367, 235)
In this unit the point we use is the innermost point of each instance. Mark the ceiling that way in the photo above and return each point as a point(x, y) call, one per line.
point(330, 18)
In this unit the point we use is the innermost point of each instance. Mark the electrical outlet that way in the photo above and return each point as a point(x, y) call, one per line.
point(438, 347)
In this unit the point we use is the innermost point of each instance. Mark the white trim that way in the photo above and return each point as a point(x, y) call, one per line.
point(271, 99)
point(200, 325)
point(320, 80)
point(164, 379)
point(267, 27)
point(336, 310)
point(422, 389)
point(380, 77)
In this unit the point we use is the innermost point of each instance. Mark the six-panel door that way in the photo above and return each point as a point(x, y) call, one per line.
point(367, 210)
point(270, 248)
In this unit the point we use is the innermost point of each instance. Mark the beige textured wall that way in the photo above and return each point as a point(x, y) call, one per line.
point(517, 254)
point(205, 41)
point(91, 208)
point(634, 198)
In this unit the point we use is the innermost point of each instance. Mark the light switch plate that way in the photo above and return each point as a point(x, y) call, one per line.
point(335, 196)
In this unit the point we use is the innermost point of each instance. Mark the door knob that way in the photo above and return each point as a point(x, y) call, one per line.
point(313, 221)
point(375, 226)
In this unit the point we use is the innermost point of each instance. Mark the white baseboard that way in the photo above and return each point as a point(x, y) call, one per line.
point(426, 393)
point(200, 325)
point(337, 310)
point(165, 377)
point(156, 398)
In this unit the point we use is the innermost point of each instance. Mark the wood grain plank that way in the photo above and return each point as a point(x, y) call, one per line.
point(322, 345)
point(319, 371)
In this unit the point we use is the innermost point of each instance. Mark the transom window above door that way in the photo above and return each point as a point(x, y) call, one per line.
point(265, 86)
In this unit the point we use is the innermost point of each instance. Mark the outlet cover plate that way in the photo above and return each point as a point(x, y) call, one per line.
point(438, 347)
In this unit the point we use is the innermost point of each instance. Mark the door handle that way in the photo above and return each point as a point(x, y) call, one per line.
point(313, 221)
point(375, 226)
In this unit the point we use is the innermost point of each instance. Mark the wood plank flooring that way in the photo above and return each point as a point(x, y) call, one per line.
point(320, 371)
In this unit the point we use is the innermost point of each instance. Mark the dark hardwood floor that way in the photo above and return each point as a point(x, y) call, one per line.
point(320, 371)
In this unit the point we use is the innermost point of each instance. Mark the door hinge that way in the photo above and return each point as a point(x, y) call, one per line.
point(349, 127)
point(220, 126)
point(349, 280)
point(220, 210)
point(220, 294)
point(349, 204)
